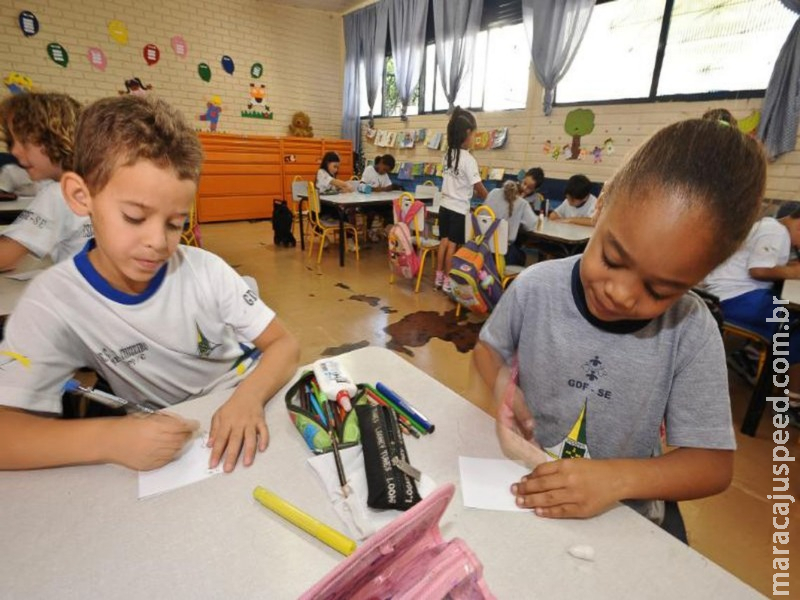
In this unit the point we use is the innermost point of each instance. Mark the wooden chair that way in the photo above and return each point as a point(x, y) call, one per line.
point(191, 231)
point(319, 227)
point(425, 246)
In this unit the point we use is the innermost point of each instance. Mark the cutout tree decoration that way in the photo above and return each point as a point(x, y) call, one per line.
point(579, 122)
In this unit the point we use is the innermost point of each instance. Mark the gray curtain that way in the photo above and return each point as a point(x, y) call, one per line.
point(456, 26)
point(373, 49)
point(781, 109)
point(555, 30)
point(407, 20)
point(351, 124)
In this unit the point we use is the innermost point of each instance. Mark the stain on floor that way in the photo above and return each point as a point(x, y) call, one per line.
point(344, 286)
point(388, 310)
point(417, 329)
point(335, 350)
point(371, 300)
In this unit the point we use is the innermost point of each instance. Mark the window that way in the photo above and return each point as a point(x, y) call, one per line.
point(391, 104)
point(721, 47)
point(376, 109)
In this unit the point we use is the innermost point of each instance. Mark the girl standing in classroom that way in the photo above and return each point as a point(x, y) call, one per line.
point(461, 179)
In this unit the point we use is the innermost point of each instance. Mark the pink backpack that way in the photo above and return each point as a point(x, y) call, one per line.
point(408, 559)
point(403, 258)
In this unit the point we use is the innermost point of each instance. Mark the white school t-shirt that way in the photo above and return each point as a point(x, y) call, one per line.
point(189, 333)
point(374, 179)
point(324, 180)
point(567, 211)
point(457, 184)
point(521, 215)
point(49, 227)
point(767, 245)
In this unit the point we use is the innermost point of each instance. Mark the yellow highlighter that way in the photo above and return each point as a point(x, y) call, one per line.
point(327, 535)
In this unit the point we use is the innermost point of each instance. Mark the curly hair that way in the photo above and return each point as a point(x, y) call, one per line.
point(121, 130)
point(44, 119)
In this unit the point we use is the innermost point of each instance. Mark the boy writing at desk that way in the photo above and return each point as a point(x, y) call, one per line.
point(580, 204)
point(633, 349)
point(161, 323)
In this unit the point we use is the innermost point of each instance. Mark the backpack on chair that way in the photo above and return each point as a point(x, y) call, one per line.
point(474, 272)
point(282, 219)
point(403, 258)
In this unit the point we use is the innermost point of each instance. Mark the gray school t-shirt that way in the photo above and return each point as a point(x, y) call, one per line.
point(600, 389)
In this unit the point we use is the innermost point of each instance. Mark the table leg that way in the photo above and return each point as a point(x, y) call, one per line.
point(758, 399)
point(341, 235)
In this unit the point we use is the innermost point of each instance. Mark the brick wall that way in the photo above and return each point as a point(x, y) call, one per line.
point(301, 51)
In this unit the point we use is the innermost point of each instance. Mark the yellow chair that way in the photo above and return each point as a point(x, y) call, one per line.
point(191, 231)
point(319, 227)
point(424, 245)
point(429, 182)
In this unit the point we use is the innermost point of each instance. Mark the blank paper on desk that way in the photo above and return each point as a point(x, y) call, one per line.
point(486, 482)
point(190, 467)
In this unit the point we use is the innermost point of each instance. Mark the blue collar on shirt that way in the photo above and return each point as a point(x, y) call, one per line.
point(94, 279)
point(579, 296)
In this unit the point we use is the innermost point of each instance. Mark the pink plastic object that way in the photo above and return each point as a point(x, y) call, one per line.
point(408, 559)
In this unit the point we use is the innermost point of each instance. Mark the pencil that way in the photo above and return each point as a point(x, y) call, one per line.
point(335, 445)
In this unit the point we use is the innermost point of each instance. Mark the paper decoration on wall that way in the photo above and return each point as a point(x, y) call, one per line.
point(28, 23)
point(429, 169)
point(256, 71)
point(118, 32)
point(405, 171)
point(136, 87)
point(435, 142)
point(213, 110)
point(749, 124)
point(204, 71)
point(17, 83)
point(481, 141)
point(579, 122)
point(498, 138)
point(58, 54)
point(420, 135)
point(370, 134)
point(256, 101)
point(151, 54)
point(406, 139)
point(300, 126)
point(179, 46)
point(97, 58)
point(496, 173)
point(391, 139)
point(227, 64)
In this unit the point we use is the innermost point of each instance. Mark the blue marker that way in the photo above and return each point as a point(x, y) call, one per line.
point(410, 410)
point(317, 408)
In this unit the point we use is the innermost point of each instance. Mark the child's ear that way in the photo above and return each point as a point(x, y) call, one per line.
point(76, 193)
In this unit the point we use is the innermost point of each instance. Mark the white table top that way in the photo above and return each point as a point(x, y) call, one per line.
point(562, 232)
point(791, 291)
point(21, 203)
point(11, 290)
point(351, 198)
point(80, 532)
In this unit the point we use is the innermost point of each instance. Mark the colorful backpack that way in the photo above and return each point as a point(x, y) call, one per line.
point(474, 273)
point(403, 258)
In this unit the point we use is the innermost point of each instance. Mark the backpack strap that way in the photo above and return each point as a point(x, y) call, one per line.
point(397, 204)
point(415, 207)
point(476, 228)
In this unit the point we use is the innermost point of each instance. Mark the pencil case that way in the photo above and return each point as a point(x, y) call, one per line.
point(306, 415)
point(407, 560)
point(389, 481)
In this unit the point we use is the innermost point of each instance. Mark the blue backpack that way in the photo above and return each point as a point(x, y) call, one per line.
point(474, 272)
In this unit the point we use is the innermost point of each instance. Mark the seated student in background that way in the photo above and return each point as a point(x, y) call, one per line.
point(39, 128)
point(377, 176)
point(161, 323)
point(745, 285)
point(533, 180)
point(633, 348)
point(580, 203)
point(14, 180)
point(326, 176)
point(506, 203)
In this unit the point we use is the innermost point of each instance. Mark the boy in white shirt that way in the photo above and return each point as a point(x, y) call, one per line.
point(162, 323)
point(580, 204)
point(377, 176)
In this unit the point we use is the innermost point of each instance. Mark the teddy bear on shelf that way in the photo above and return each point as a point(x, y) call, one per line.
point(301, 125)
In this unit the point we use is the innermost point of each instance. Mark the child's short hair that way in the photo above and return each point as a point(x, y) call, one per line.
point(122, 130)
point(44, 119)
point(386, 159)
point(699, 163)
point(537, 174)
point(578, 187)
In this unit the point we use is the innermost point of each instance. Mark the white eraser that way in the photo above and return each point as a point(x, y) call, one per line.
point(582, 551)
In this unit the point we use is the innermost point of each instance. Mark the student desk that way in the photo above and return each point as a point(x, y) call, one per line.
point(9, 210)
point(354, 199)
point(567, 236)
point(791, 292)
point(80, 532)
point(11, 290)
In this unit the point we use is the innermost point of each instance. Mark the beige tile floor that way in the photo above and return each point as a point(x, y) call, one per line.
point(333, 309)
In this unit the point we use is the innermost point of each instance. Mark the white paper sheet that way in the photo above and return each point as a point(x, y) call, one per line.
point(190, 467)
point(486, 482)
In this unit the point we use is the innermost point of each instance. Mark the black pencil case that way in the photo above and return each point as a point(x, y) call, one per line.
point(386, 462)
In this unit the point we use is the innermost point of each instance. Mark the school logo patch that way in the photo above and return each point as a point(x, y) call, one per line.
point(204, 346)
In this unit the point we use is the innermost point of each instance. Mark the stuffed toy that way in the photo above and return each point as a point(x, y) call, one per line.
point(301, 125)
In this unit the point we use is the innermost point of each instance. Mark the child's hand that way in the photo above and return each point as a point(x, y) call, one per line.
point(568, 488)
point(514, 423)
point(149, 442)
point(237, 424)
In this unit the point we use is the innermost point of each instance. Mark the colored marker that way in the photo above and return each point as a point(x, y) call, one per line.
point(325, 534)
point(402, 416)
point(410, 410)
point(317, 408)
point(73, 386)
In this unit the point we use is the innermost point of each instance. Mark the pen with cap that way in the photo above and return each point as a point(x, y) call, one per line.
point(73, 386)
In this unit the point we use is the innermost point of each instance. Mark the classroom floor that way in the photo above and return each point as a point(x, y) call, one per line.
point(333, 310)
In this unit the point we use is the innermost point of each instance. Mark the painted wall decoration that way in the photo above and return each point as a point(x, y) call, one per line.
point(17, 83)
point(256, 71)
point(136, 87)
point(28, 23)
point(58, 54)
point(151, 54)
point(227, 64)
point(749, 124)
point(579, 122)
point(256, 106)
point(97, 58)
point(204, 71)
point(179, 46)
point(118, 32)
point(212, 114)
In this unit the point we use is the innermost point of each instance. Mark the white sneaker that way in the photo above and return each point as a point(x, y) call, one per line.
point(447, 285)
point(438, 280)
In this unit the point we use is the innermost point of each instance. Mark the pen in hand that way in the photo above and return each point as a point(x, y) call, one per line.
point(73, 386)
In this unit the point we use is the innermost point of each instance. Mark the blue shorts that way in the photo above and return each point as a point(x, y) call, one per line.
point(751, 311)
point(451, 225)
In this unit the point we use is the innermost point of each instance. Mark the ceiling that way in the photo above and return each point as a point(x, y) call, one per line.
point(334, 6)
